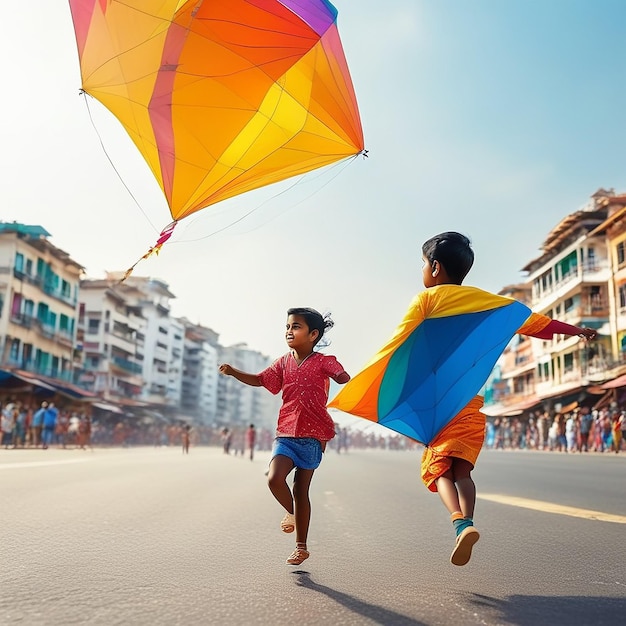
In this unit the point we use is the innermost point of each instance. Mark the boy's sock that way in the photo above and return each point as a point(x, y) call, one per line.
point(460, 523)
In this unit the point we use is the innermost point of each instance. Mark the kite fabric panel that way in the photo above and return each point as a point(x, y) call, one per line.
point(221, 96)
point(436, 362)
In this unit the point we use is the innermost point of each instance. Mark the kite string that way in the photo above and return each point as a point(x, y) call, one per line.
point(340, 167)
point(84, 94)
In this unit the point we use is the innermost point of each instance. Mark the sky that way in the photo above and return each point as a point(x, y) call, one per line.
point(495, 118)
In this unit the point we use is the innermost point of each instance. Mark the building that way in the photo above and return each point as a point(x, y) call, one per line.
point(200, 374)
point(573, 280)
point(110, 334)
point(239, 404)
point(39, 289)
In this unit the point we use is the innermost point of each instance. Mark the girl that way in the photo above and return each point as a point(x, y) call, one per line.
point(304, 425)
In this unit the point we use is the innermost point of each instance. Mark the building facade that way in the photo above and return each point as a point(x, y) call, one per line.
point(39, 287)
point(576, 280)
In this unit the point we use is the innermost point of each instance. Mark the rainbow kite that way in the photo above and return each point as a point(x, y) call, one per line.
point(436, 362)
point(221, 96)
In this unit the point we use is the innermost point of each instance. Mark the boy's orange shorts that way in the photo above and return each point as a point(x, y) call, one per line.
point(462, 438)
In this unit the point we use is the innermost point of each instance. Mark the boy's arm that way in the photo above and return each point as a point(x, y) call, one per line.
point(243, 377)
point(555, 327)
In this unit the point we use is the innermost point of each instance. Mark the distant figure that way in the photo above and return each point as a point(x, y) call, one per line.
point(37, 425)
point(49, 425)
point(616, 427)
point(84, 432)
point(186, 436)
point(227, 440)
point(304, 425)
point(251, 440)
point(342, 441)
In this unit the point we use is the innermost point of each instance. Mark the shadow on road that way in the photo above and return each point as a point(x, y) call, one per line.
point(375, 613)
point(553, 610)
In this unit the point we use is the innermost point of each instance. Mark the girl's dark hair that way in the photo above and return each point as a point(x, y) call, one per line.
point(315, 321)
point(453, 251)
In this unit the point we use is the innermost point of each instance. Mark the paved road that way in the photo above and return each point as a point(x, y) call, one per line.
point(149, 536)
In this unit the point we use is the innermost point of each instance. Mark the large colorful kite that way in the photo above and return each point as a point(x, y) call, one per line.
point(437, 360)
point(221, 96)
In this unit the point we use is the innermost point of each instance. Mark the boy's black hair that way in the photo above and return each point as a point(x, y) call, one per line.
point(453, 251)
point(314, 320)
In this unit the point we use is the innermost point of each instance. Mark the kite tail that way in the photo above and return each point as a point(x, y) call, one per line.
point(166, 233)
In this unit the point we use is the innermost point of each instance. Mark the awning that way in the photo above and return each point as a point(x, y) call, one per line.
point(105, 406)
point(511, 410)
point(7, 375)
point(569, 407)
point(620, 381)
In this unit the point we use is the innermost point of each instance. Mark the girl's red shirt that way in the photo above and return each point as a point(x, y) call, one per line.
point(305, 394)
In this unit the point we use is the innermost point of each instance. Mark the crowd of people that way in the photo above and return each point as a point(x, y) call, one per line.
point(22, 426)
point(580, 430)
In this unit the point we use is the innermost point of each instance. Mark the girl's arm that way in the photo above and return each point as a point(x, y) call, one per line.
point(561, 328)
point(243, 377)
point(342, 378)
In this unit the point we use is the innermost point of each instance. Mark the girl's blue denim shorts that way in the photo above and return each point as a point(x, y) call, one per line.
point(305, 452)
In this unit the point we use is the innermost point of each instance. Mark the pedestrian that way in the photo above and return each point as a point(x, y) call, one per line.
point(304, 425)
point(37, 425)
point(186, 437)
point(7, 423)
point(616, 427)
point(448, 459)
point(251, 440)
point(570, 432)
point(227, 440)
point(49, 424)
point(586, 425)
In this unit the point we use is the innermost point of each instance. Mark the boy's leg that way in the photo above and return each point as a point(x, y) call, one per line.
point(458, 494)
point(465, 486)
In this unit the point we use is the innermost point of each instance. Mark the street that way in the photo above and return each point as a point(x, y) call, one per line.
point(152, 536)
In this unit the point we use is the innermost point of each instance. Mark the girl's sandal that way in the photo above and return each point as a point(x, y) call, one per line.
point(288, 523)
point(298, 556)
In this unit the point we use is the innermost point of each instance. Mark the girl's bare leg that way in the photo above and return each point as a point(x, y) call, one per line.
point(301, 484)
point(280, 467)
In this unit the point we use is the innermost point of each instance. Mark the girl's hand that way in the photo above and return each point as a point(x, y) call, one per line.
point(226, 369)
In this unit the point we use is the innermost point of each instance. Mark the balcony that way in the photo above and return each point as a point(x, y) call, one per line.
point(589, 272)
point(126, 365)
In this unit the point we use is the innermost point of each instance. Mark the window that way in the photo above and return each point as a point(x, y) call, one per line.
point(19, 262)
point(568, 265)
point(42, 312)
point(94, 327)
point(621, 253)
point(568, 362)
point(64, 323)
point(622, 296)
point(15, 350)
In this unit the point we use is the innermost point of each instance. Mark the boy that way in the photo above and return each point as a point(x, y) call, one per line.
point(486, 323)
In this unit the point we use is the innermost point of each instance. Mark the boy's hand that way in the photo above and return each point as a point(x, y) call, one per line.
point(226, 369)
point(587, 333)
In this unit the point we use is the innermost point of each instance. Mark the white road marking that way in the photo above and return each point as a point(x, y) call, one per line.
point(549, 507)
point(7, 466)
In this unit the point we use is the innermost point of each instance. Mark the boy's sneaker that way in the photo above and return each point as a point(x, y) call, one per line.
point(464, 543)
